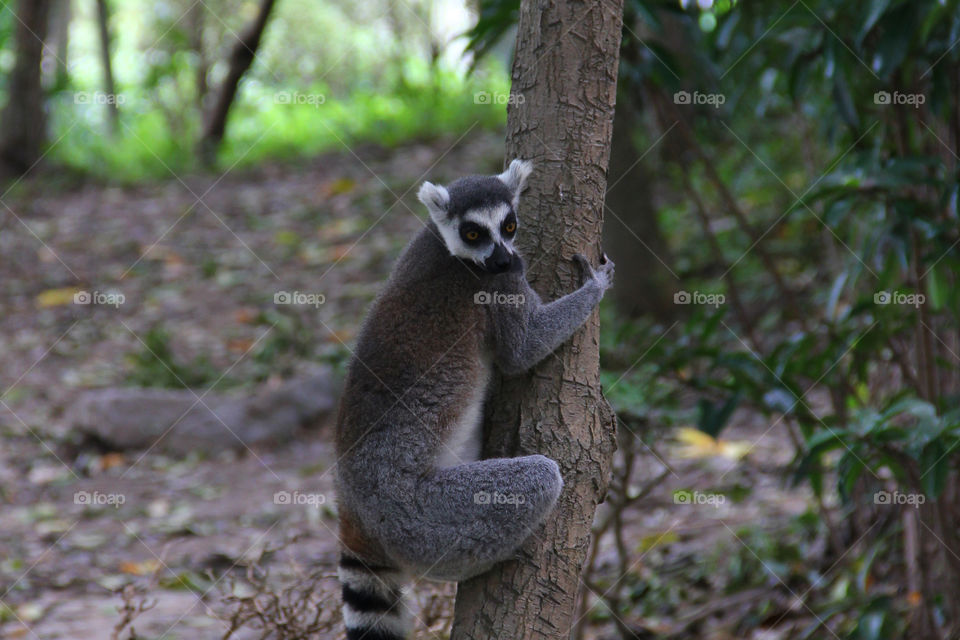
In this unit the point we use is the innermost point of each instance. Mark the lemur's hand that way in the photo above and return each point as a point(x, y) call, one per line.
point(602, 275)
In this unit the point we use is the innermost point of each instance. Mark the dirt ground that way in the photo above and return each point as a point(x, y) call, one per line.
point(202, 257)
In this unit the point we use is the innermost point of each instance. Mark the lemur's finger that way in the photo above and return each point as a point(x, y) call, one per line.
point(603, 258)
point(582, 261)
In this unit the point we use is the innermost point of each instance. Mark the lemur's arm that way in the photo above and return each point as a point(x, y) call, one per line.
point(530, 331)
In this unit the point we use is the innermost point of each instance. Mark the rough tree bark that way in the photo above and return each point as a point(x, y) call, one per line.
point(244, 51)
point(24, 120)
point(564, 86)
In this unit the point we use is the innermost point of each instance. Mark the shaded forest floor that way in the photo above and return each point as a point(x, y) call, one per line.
point(198, 261)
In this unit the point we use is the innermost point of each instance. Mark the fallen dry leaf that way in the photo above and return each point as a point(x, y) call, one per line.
point(57, 297)
point(144, 568)
point(110, 460)
point(697, 444)
point(338, 187)
point(245, 315)
point(340, 251)
point(240, 345)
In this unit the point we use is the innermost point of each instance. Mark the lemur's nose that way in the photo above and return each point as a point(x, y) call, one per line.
point(500, 260)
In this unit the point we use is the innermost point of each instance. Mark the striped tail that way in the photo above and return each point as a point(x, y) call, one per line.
point(373, 601)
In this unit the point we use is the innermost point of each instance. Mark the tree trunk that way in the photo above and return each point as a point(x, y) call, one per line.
point(103, 22)
point(196, 26)
point(244, 51)
point(632, 238)
point(564, 83)
point(24, 118)
point(58, 44)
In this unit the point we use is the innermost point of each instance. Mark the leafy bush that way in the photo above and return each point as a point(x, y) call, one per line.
point(274, 123)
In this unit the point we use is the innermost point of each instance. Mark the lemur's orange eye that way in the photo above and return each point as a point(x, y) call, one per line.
point(511, 227)
point(472, 235)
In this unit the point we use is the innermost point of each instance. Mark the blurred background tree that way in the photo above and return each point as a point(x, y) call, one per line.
point(24, 117)
point(383, 72)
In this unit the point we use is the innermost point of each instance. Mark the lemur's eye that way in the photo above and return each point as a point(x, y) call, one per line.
point(473, 235)
point(510, 227)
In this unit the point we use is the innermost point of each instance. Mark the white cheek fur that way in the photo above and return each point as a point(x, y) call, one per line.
point(457, 247)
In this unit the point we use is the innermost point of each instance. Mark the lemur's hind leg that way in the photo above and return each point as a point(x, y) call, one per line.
point(469, 517)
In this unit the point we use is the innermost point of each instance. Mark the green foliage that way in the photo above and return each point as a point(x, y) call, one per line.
point(292, 339)
point(496, 18)
point(7, 24)
point(268, 123)
point(888, 195)
point(838, 138)
point(421, 103)
point(363, 74)
point(906, 436)
point(143, 149)
point(156, 365)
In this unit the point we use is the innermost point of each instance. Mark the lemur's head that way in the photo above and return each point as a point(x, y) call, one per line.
point(476, 215)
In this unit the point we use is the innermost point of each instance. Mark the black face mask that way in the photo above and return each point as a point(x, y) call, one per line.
point(499, 261)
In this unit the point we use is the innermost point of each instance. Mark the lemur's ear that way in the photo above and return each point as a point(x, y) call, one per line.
point(436, 199)
point(515, 177)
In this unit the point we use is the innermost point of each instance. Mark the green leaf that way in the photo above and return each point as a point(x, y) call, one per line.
point(780, 400)
point(727, 28)
point(834, 295)
point(870, 626)
point(934, 464)
point(875, 9)
point(896, 30)
point(850, 467)
point(844, 100)
point(913, 406)
point(827, 439)
point(713, 418)
point(937, 288)
point(496, 19)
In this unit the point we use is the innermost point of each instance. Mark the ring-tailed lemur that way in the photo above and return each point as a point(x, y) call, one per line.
point(413, 497)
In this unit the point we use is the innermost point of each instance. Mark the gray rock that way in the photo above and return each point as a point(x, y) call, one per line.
point(174, 421)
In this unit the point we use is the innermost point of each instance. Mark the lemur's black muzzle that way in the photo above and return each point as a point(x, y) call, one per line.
point(499, 261)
